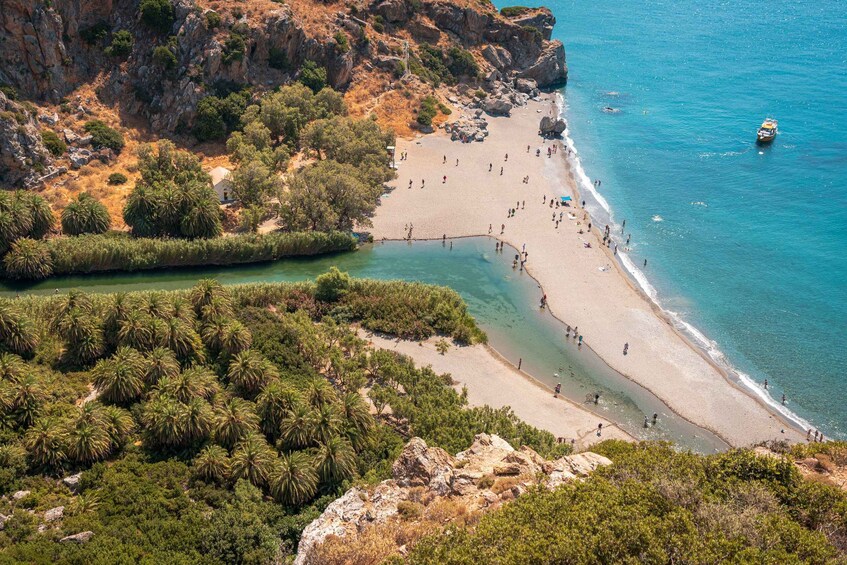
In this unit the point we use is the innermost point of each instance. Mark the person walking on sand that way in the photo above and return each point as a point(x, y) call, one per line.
point(655, 418)
point(596, 398)
point(580, 340)
point(410, 183)
point(490, 165)
point(558, 389)
point(501, 171)
point(507, 157)
point(527, 148)
point(523, 204)
point(544, 200)
point(423, 182)
point(626, 348)
point(457, 162)
point(444, 161)
point(489, 228)
point(599, 429)
point(502, 228)
point(809, 435)
point(444, 181)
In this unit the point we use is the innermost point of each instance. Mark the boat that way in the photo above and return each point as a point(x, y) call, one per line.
point(767, 132)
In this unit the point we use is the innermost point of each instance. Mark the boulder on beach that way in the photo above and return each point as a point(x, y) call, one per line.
point(551, 127)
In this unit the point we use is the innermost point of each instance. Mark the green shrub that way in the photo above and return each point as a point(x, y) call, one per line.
point(427, 111)
point(332, 285)
point(514, 11)
point(535, 32)
point(95, 34)
point(117, 178)
point(158, 15)
point(10, 91)
point(121, 45)
point(54, 144)
point(164, 57)
point(461, 63)
point(342, 45)
point(233, 49)
point(102, 136)
point(313, 76)
point(213, 19)
point(378, 23)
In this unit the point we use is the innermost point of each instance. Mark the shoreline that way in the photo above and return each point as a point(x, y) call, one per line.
point(477, 367)
point(638, 281)
point(708, 412)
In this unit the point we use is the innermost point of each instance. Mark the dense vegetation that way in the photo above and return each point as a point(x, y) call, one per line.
point(223, 420)
point(121, 252)
point(85, 215)
point(437, 66)
point(656, 505)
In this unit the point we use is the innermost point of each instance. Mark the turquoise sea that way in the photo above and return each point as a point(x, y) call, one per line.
point(745, 245)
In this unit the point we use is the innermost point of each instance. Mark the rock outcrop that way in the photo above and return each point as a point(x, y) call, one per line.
point(480, 478)
point(22, 152)
point(552, 127)
point(81, 537)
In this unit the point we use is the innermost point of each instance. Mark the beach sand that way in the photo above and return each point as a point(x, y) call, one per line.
point(493, 382)
point(604, 304)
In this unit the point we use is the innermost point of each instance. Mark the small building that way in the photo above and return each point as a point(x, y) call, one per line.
point(221, 183)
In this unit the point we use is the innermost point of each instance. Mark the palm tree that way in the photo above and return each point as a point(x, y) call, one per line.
point(218, 306)
point(183, 340)
point(119, 423)
point(202, 220)
point(251, 372)
point(212, 333)
point(194, 382)
point(120, 379)
point(296, 428)
point(236, 338)
point(293, 479)
point(273, 402)
point(22, 399)
point(164, 421)
point(252, 459)
point(325, 423)
point(88, 438)
point(160, 363)
point(85, 215)
point(12, 367)
point(120, 307)
point(17, 333)
point(45, 443)
point(234, 419)
point(183, 309)
point(40, 213)
point(357, 418)
point(198, 419)
point(212, 464)
point(336, 460)
point(135, 330)
point(204, 291)
point(319, 392)
point(157, 305)
point(140, 211)
point(82, 334)
point(28, 259)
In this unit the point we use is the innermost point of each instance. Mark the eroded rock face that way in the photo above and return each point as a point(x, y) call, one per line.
point(22, 152)
point(430, 473)
point(551, 127)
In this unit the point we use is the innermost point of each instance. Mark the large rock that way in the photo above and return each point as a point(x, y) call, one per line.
point(424, 474)
point(81, 537)
point(419, 465)
point(392, 11)
point(551, 127)
point(496, 106)
point(549, 68)
point(72, 482)
point(54, 514)
point(18, 495)
point(541, 19)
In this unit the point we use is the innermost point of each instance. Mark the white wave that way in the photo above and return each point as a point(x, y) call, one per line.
point(696, 336)
point(700, 203)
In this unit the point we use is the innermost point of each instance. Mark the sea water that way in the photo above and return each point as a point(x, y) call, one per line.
point(744, 243)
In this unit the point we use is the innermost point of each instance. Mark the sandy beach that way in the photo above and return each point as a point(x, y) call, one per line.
point(488, 377)
point(584, 286)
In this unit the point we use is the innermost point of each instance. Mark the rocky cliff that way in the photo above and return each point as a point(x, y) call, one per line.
point(22, 154)
point(47, 49)
point(430, 488)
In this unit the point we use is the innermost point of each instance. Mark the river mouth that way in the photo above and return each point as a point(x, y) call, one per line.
point(503, 300)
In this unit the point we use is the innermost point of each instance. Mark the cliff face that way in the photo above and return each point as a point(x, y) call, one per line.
point(46, 50)
point(22, 153)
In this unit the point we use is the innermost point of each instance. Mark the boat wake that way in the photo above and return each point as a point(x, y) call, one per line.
point(600, 210)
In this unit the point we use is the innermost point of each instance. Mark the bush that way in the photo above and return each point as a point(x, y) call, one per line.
point(332, 285)
point(102, 136)
point(461, 63)
point(53, 143)
point(95, 34)
point(164, 57)
point(213, 19)
point(117, 178)
point(341, 43)
point(121, 45)
point(233, 49)
point(428, 110)
point(278, 59)
point(514, 11)
point(158, 15)
point(313, 76)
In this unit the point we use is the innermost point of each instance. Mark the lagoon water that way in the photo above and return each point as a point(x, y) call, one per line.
point(504, 302)
point(744, 243)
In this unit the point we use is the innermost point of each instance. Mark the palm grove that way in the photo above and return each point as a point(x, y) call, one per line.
point(337, 189)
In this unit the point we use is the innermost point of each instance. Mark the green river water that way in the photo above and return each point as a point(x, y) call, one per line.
point(504, 302)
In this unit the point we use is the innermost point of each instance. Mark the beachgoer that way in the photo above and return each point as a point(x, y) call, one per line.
point(423, 182)
point(502, 228)
point(599, 428)
point(557, 223)
point(646, 422)
point(489, 228)
point(809, 434)
point(558, 388)
point(457, 162)
point(589, 226)
point(623, 225)
point(583, 203)
point(507, 157)
point(645, 262)
point(544, 200)
point(444, 160)
point(783, 400)
point(628, 238)
point(523, 204)
point(596, 398)
point(443, 237)
point(451, 245)
point(766, 384)
point(527, 148)
point(501, 171)
point(580, 340)
point(655, 417)
point(625, 348)
point(444, 180)
point(537, 152)
point(410, 183)
point(490, 165)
